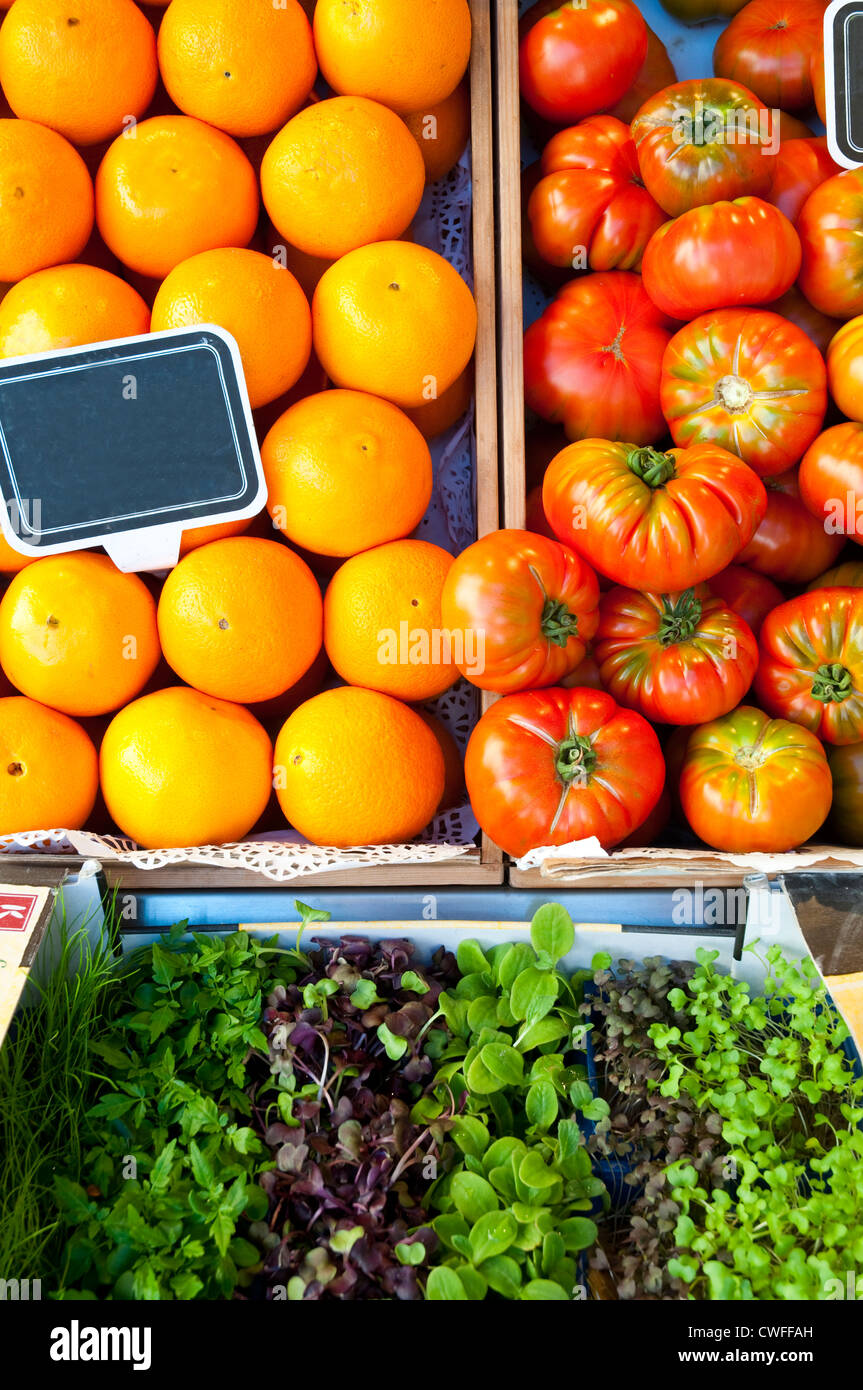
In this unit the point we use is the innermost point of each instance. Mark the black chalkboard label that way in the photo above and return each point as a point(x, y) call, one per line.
point(126, 445)
point(843, 71)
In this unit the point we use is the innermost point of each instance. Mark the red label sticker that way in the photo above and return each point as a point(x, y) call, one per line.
point(16, 910)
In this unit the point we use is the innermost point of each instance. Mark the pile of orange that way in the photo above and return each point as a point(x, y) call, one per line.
point(169, 164)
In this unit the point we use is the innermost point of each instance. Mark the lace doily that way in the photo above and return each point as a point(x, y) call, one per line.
point(443, 224)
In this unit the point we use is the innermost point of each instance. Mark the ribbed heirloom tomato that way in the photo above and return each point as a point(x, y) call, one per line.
point(831, 481)
point(740, 253)
point(550, 766)
point(811, 668)
point(790, 545)
point(649, 520)
point(580, 56)
point(591, 201)
point(846, 813)
point(768, 45)
point(748, 380)
point(702, 141)
point(753, 783)
point(676, 658)
point(592, 361)
point(801, 167)
point(845, 368)
point(530, 602)
point(657, 71)
point(831, 234)
point(750, 594)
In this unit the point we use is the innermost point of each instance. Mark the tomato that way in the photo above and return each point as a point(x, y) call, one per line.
point(790, 545)
point(581, 57)
point(530, 605)
point(846, 815)
point(750, 594)
point(695, 10)
point(768, 46)
point(790, 128)
point(845, 368)
point(701, 141)
point(551, 766)
point(751, 783)
point(592, 361)
point(591, 210)
point(586, 674)
point(818, 328)
point(831, 235)
point(831, 481)
point(742, 253)
point(846, 576)
point(649, 520)
point(801, 167)
point(676, 658)
point(551, 276)
point(749, 381)
point(657, 71)
point(811, 667)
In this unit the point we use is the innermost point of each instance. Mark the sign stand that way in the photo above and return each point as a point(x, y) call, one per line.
point(843, 81)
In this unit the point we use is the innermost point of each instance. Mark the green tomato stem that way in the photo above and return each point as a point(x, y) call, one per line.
point(679, 619)
point(832, 684)
point(652, 466)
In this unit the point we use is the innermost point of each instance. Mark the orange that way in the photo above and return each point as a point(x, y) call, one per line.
point(342, 173)
point(243, 65)
point(49, 771)
point(241, 619)
point(306, 269)
point(396, 320)
point(180, 768)
point(83, 67)
point(440, 414)
point(409, 54)
point(177, 188)
point(453, 791)
point(442, 132)
point(67, 306)
point(46, 200)
point(257, 301)
point(11, 561)
point(346, 471)
point(203, 535)
point(382, 621)
point(353, 767)
point(78, 635)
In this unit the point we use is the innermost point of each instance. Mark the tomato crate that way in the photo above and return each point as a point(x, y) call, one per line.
point(522, 298)
point(456, 219)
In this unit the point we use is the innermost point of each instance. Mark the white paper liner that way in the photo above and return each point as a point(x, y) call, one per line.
point(444, 224)
point(581, 857)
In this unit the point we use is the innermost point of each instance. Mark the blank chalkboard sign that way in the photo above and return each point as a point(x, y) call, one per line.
point(843, 73)
point(127, 444)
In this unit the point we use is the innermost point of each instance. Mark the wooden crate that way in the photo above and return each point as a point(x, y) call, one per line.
point(483, 864)
point(634, 870)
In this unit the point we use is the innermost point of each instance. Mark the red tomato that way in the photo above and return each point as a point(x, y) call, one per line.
point(586, 674)
point(657, 71)
point(811, 668)
point(846, 814)
point(801, 167)
point(845, 368)
point(790, 128)
point(592, 361)
point(551, 276)
point(591, 210)
point(818, 79)
point(818, 328)
point(790, 545)
point(846, 576)
point(831, 481)
point(749, 381)
point(701, 141)
point(751, 783)
point(751, 595)
point(580, 58)
point(716, 257)
point(831, 234)
point(676, 658)
point(530, 605)
point(768, 46)
point(551, 766)
point(649, 520)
